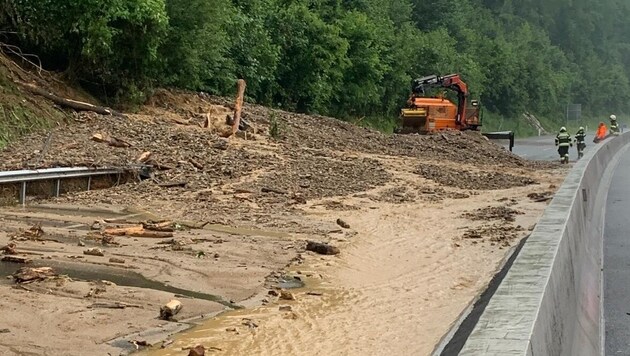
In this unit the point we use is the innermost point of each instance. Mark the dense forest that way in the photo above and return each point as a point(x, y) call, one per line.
point(346, 58)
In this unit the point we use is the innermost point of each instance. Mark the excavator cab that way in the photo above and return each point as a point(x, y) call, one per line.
point(473, 115)
point(426, 114)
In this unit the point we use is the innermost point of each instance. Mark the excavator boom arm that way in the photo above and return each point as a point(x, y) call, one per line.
point(452, 82)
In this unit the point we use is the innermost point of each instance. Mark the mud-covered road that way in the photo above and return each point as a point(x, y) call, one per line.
point(415, 227)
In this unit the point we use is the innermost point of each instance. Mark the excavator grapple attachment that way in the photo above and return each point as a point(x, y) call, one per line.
point(413, 120)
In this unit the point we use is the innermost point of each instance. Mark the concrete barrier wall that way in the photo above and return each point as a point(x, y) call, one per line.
point(549, 303)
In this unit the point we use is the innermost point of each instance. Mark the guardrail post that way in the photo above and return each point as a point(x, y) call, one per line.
point(23, 194)
point(89, 183)
point(57, 187)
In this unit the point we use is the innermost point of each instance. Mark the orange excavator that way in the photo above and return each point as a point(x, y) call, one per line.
point(426, 114)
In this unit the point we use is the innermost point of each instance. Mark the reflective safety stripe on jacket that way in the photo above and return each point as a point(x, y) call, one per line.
point(580, 136)
point(563, 139)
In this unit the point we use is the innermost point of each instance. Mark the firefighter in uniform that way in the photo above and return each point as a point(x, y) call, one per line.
point(563, 141)
point(580, 135)
point(614, 127)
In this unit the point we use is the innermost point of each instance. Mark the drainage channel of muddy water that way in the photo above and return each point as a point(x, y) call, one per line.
point(118, 276)
point(65, 224)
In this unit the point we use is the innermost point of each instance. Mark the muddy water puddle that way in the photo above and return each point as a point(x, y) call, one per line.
point(241, 332)
point(119, 277)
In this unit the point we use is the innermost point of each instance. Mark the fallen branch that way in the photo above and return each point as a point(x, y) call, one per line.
point(137, 231)
point(73, 104)
point(115, 305)
point(112, 141)
point(196, 164)
point(273, 190)
point(173, 184)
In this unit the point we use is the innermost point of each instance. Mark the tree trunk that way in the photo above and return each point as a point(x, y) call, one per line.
point(239, 105)
point(76, 105)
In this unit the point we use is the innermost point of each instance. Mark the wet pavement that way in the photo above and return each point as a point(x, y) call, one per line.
point(543, 148)
point(617, 263)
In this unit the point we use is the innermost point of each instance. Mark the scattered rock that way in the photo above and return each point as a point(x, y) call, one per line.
point(4, 331)
point(492, 213)
point(285, 308)
point(496, 233)
point(198, 350)
point(343, 224)
point(469, 180)
point(81, 243)
point(116, 260)
point(540, 197)
point(249, 323)
point(94, 252)
point(286, 295)
point(170, 309)
point(273, 293)
point(322, 248)
point(231, 329)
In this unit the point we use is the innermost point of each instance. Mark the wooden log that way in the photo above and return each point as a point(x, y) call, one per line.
point(73, 104)
point(30, 274)
point(144, 157)
point(170, 309)
point(165, 226)
point(137, 231)
point(322, 248)
point(238, 107)
point(94, 252)
point(16, 259)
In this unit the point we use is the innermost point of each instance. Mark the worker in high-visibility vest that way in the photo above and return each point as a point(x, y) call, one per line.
point(602, 130)
point(580, 142)
point(563, 141)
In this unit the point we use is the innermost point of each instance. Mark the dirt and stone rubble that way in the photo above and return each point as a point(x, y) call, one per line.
point(244, 208)
point(492, 213)
point(496, 234)
point(467, 179)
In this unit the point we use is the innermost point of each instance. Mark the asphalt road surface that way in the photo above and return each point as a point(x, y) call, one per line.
point(617, 262)
point(543, 148)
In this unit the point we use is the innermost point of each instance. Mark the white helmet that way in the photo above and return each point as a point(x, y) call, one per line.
point(581, 128)
point(613, 117)
point(563, 129)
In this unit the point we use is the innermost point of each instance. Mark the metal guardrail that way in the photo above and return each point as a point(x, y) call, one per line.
point(501, 135)
point(23, 177)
